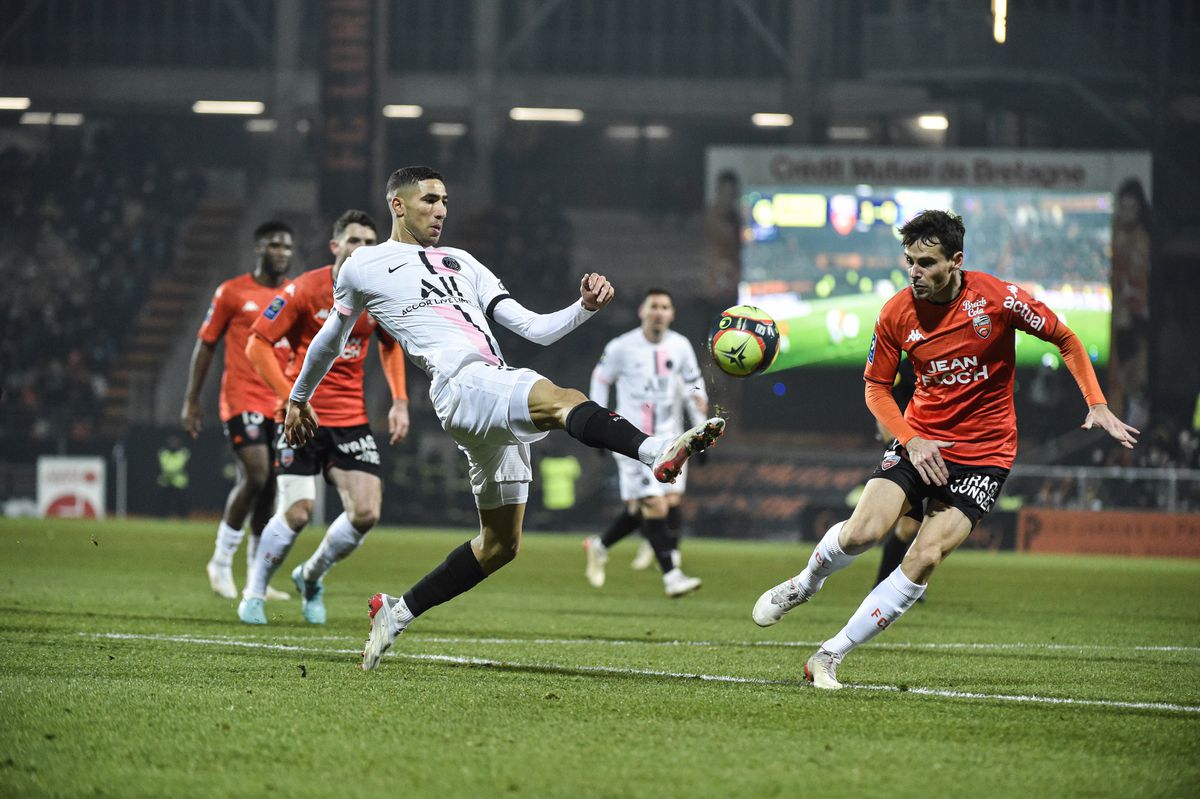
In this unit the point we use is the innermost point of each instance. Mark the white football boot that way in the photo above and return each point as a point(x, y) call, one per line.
point(275, 595)
point(777, 601)
point(220, 578)
point(677, 584)
point(821, 670)
point(670, 461)
point(644, 557)
point(385, 627)
point(597, 557)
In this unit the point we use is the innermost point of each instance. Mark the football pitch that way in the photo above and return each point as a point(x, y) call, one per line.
point(121, 674)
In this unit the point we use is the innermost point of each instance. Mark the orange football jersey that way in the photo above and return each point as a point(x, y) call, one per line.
point(963, 355)
point(296, 314)
point(235, 305)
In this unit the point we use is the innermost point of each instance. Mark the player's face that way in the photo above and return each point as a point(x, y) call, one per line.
point(930, 272)
point(657, 312)
point(353, 237)
point(275, 253)
point(422, 211)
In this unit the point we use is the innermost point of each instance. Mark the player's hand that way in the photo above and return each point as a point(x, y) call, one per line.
point(1100, 416)
point(926, 456)
point(397, 421)
point(300, 424)
point(596, 291)
point(192, 418)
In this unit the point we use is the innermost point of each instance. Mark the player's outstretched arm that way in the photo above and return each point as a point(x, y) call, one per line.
point(1100, 416)
point(594, 293)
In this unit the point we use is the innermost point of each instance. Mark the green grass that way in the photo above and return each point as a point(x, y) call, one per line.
point(808, 342)
point(570, 712)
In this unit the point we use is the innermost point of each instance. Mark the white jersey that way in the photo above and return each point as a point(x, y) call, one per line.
point(653, 380)
point(435, 301)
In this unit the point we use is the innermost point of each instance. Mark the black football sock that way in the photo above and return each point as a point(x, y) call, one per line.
point(599, 427)
point(622, 526)
point(674, 525)
point(894, 551)
point(458, 573)
point(655, 531)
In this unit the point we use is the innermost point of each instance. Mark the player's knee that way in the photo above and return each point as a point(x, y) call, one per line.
point(256, 480)
point(364, 519)
point(857, 536)
point(922, 559)
point(498, 552)
point(298, 515)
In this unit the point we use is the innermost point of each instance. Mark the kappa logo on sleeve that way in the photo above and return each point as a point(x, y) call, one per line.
point(275, 307)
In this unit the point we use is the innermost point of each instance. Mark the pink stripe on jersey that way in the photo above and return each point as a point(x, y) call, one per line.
point(435, 260)
point(648, 418)
point(341, 309)
point(473, 334)
point(661, 356)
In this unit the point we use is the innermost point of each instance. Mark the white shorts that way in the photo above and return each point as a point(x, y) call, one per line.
point(485, 409)
point(637, 481)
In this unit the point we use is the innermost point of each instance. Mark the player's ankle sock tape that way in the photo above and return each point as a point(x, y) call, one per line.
point(458, 573)
point(674, 520)
point(622, 526)
point(599, 427)
point(655, 531)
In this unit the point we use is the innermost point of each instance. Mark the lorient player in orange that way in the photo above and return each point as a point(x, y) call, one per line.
point(247, 404)
point(344, 448)
point(955, 443)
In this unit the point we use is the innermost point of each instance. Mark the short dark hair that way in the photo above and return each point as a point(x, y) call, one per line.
point(410, 176)
point(935, 227)
point(273, 226)
point(353, 217)
point(650, 292)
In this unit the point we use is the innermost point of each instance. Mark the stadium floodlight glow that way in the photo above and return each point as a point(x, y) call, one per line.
point(69, 120)
point(245, 107)
point(622, 131)
point(568, 115)
point(449, 129)
point(933, 122)
point(403, 111)
point(36, 118)
point(848, 132)
point(772, 120)
point(656, 132)
point(14, 103)
point(1000, 21)
point(261, 125)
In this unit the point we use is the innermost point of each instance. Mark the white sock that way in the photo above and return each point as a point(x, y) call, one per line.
point(649, 449)
point(277, 540)
point(252, 548)
point(340, 540)
point(886, 603)
point(403, 615)
point(228, 540)
point(827, 557)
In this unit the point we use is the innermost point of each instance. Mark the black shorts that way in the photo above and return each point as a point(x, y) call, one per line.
point(249, 428)
point(971, 489)
point(349, 448)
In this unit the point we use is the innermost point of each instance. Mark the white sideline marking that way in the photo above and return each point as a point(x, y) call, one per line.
point(787, 644)
point(467, 661)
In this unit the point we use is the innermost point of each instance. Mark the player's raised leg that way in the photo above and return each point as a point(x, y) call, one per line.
point(941, 533)
point(497, 544)
point(882, 501)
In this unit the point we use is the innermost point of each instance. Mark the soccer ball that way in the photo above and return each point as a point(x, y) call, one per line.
point(743, 341)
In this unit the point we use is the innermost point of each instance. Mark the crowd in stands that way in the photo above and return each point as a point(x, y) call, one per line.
point(87, 218)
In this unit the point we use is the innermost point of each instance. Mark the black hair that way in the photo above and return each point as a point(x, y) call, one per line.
point(653, 291)
point(935, 227)
point(410, 176)
point(353, 217)
point(274, 226)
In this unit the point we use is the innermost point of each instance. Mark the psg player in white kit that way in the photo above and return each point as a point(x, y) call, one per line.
point(651, 366)
point(438, 303)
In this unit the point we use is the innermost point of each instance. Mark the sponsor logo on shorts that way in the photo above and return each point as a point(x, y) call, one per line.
point(983, 325)
point(252, 431)
point(275, 307)
point(889, 460)
point(287, 457)
point(363, 449)
point(981, 489)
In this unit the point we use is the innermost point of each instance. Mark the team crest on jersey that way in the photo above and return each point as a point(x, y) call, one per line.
point(450, 263)
point(983, 325)
point(287, 457)
point(275, 307)
point(889, 460)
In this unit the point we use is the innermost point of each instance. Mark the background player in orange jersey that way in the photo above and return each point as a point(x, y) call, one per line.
point(247, 403)
point(958, 328)
point(344, 448)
